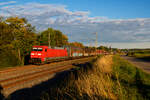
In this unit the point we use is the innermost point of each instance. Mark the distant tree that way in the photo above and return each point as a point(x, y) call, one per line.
point(104, 48)
point(60, 38)
point(76, 44)
point(56, 37)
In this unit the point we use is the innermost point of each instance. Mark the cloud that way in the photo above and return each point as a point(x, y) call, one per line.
point(6, 3)
point(132, 45)
point(79, 26)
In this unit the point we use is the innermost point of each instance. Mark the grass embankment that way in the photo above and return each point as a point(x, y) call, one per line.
point(90, 81)
point(131, 82)
point(106, 78)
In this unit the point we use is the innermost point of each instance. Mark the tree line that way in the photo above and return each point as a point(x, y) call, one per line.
point(17, 37)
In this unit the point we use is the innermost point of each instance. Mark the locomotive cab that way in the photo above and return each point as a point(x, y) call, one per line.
point(38, 54)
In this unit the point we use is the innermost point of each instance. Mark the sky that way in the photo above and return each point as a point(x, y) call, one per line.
point(119, 23)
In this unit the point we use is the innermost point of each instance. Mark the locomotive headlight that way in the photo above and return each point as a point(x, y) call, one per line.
point(39, 54)
point(32, 53)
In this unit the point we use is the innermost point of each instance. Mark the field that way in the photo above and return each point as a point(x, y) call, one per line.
point(105, 78)
point(140, 54)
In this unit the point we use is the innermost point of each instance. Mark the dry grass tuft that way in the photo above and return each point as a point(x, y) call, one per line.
point(105, 64)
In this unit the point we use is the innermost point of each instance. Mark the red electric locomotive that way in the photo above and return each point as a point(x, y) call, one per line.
point(41, 54)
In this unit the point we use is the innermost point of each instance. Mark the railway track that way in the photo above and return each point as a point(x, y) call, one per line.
point(27, 76)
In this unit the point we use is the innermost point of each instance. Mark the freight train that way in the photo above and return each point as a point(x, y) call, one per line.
point(43, 54)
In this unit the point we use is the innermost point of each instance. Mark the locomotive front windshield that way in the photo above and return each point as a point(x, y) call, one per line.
point(37, 49)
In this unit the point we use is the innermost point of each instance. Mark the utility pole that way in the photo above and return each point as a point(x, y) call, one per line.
point(96, 40)
point(96, 43)
point(49, 40)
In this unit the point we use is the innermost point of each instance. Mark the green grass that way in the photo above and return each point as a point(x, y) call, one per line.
point(139, 53)
point(130, 83)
